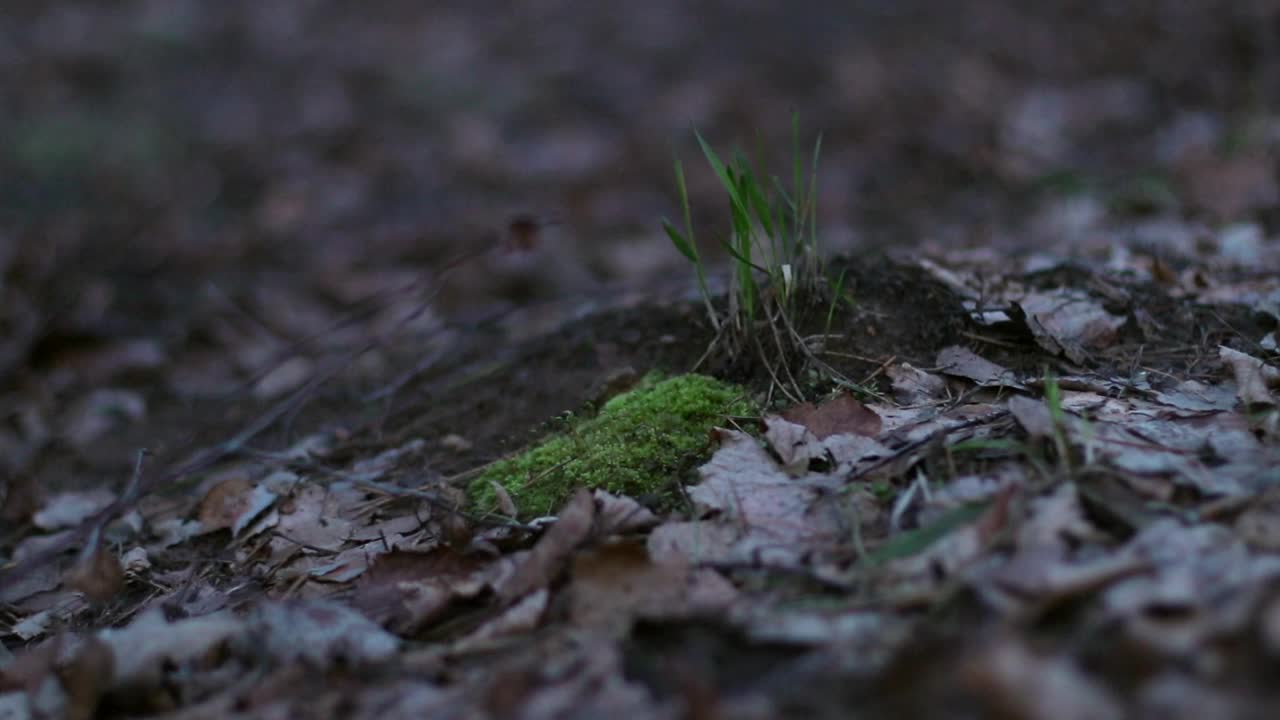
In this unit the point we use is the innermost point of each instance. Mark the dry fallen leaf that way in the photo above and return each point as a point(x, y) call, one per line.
point(553, 549)
point(407, 591)
point(962, 362)
point(618, 583)
point(912, 386)
point(97, 574)
point(321, 633)
point(523, 616)
point(842, 414)
point(1254, 378)
point(233, 504)
point(1069, 322)
point(619, 514)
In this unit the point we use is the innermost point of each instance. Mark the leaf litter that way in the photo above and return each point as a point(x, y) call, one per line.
point(1068, 510)
point(846, 530)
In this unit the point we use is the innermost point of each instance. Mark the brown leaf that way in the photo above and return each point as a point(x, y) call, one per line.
point(521, 617)
point(232, 504)
point(1033, 416)
point(912, 386)
point(841, 414)
point(962, 362)
point(548, 556)
point(1253, 377)
point(406, 591)
point(97, 574)
point(619, 514)
point(615, 584)
point(1069, 322)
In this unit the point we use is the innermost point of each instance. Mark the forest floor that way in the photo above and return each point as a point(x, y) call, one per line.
point(283, 283)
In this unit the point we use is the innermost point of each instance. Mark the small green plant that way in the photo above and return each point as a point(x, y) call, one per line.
point(773, 245)
point(637, 444)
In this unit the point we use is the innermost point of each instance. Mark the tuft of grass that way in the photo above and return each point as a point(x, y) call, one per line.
point(775, 258)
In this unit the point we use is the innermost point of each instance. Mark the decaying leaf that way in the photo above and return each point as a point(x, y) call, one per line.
point(1069, 322)
point(912, 386)
point(234, 504)
point(842, 414)
point(540, 566)
point(616, 515)
point(320, 633)
point(961, 362)
point(1254, 378)
point(618, 583)
point(407, 591)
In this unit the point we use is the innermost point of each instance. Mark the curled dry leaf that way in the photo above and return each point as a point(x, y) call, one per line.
point(962, 362)
point(912, 386)
point(798, 448)
point(1069, 322)
point(523, 616)
point(619, 514)
point(552, 550)
point(758, 512)
point(407, 591)
point(1254, 378)
point(233, 504)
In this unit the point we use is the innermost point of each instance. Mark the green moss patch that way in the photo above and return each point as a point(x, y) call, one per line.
point(637, 444)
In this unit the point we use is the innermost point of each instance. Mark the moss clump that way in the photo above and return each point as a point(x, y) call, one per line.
point(637, 444)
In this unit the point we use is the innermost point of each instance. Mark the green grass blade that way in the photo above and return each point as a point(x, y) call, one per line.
point(812, 195)
point(682, 243)
point(797, 187)
point(759, 204)
point(724, 173)
point(741, 260)
point(683, 190)
point(837, 292)
point(916, 541)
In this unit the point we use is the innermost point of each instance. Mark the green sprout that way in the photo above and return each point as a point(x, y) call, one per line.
point(773, 247)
